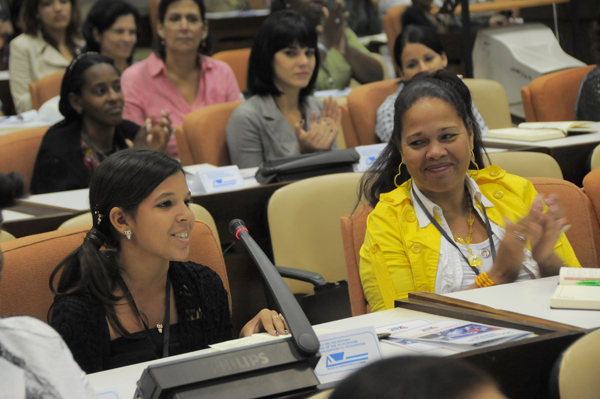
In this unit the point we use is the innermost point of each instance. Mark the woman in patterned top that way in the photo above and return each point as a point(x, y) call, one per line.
point(92, 104)
point(417, 49)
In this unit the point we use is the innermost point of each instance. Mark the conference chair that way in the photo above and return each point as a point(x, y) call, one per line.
point(591, 187)
point(18, 152)
point(238, 61)
point(204, 134)
point(595, 158)
point(5, 236)
point(491, 101)
point(350, 134)
point(363, 102)
point(200, 213)
point(392, 26)
point(29, 261)
point(527, 164)
point(552, 97)
point(575, 374)
point(45, 89)
point(578, 210)
point(304, 226)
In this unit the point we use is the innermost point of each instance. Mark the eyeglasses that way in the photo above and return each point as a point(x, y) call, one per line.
point(176, 21)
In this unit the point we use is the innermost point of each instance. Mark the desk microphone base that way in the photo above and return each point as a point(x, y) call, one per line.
point(268, 370)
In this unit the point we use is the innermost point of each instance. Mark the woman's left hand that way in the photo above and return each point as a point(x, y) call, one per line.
point(153, 136)
point(552, 222)
point(322, 134)
point(266, 320)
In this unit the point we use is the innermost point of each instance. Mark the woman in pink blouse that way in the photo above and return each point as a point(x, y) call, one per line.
point(176, 78)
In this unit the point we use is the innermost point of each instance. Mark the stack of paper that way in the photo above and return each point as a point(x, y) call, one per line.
point(537, 131)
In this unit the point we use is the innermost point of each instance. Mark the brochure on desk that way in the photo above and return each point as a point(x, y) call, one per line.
point(458, 335)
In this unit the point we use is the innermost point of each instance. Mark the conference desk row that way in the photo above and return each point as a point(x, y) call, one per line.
point(522, 367)
point(250, 204)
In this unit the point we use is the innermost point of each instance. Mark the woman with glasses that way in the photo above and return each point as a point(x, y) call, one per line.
point(176, 78)
point(111, 30)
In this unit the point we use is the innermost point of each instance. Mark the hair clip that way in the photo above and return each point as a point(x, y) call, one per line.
point(98, 216)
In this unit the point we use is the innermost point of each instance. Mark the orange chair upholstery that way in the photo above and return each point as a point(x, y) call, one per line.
point(153, 15)
point(579, 211)
point(363, 103)
point(350, 134)
point(353, 235)
point(18, 152)
point(392, 27)
point(204, 131)
point(552, 97)
point(591, 187)
point(29, 261)
point(183, 149)
point(45, 89)
point(238, 61)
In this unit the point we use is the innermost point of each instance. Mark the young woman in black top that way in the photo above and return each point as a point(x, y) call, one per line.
point(128, 294)
point(92, 103)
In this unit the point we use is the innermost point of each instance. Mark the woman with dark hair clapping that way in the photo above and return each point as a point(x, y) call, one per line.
point(282, 118)
point(441, 224)
point(92, 103)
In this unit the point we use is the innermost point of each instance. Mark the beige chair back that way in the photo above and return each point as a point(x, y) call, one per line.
point(578, 368)
point(199, 212)
point(491, 101)
point(304, 220)
point(527, 164)
point(6, 236)
point(595, 159)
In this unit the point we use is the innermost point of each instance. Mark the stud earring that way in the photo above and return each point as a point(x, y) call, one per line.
point(127, 234)
point(287, 5)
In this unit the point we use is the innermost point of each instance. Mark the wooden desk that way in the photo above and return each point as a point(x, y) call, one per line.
point(233, 30)
point(499, 5)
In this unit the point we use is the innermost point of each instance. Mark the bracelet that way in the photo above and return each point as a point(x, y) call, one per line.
point(483, 280)
point(323, 48)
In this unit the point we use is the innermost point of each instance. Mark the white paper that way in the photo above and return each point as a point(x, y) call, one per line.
point(252, 340)
point(346, 351)
point(368, 155)
point(225, 178)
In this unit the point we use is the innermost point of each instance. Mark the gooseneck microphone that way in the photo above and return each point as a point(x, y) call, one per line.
point(303, 334)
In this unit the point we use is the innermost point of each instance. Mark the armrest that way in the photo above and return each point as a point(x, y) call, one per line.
point(303, 275)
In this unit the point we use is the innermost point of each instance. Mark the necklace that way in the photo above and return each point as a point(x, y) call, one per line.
point(473, 259)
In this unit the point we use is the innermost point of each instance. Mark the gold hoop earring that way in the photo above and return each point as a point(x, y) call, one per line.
point(399, 173)
point(475, 163)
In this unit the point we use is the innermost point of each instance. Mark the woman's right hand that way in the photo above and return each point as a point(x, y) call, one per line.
point(153, 136)
point(321, 135)
point(511, 252)
point(334, 26)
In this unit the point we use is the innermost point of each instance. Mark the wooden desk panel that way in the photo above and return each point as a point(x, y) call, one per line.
point(499, 5)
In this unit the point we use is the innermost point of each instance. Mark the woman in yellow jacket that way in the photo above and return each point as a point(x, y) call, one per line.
point(441, 224)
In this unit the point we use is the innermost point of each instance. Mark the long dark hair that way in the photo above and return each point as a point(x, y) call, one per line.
point(122, 180)
point(414, 377)
point(416, 34)
point(163, 7)
point(280, 30)
point(102, 16)
point(74, 80)
point(33, 24)
point(12, 187)
point(443, 85)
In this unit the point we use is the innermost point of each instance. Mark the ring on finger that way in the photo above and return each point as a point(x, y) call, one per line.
point(277, 316)
point(519, 236)
point(337, 21)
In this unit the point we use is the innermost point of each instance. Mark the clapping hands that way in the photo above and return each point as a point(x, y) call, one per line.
point(153, 136)
point(320, 135)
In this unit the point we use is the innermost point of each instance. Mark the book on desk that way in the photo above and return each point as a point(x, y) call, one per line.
point(579, 288)
point(538, 131)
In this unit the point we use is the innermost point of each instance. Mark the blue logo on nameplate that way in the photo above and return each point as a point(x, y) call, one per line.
point(346, 351)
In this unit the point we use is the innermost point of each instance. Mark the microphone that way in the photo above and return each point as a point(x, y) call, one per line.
point(303, 335)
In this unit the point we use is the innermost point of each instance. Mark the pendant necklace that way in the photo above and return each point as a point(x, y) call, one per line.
point(473, 259)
